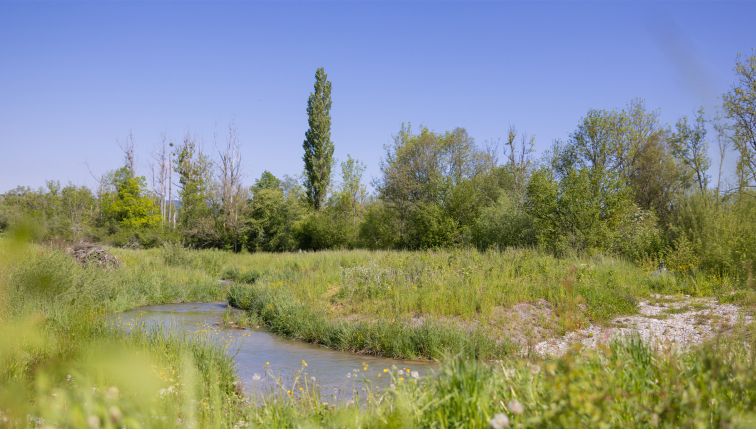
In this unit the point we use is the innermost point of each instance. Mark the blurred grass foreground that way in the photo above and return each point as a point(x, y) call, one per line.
point(64, 364)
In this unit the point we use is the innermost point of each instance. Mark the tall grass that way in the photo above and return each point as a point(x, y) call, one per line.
point(625, 384)
point(64, 364)
point(427, 304)
point(430, 339)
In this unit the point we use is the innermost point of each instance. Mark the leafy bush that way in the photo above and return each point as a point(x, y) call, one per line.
point(638, 236)
point(379, 228)
point(325, 229)
point(430, 227)
point(718, 234)
point(504, 224)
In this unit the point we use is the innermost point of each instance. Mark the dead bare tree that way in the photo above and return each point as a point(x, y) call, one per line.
point(491, 150)
point(100, 189)
point(229, 175)
point(171, 208)
point(520, 159)
point(75, 202)
point(160, 168)
point(127, 146)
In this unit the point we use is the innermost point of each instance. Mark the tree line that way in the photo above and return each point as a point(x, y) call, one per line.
point(622, 183)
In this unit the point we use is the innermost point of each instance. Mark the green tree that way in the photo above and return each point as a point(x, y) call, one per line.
point(267, 181)
point(276, 206)
point(581, 211)
point(690, 146)
point(445, 170)
point(504, 223)
point(352, 193)
point(129, 204)
point(318, 147)
point(609, 140)
point(739, 107)
point(657, 177)
point(76, 201)
point(194, 169)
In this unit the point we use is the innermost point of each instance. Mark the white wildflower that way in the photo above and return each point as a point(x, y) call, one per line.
point(93, 421)
point(256, 377)
point(113, 392)
point(499, 421)
point(515, 407)
point(415, 374)
point(115, 413)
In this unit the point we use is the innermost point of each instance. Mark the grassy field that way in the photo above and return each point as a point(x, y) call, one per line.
point(64, 364)
point(434, 303)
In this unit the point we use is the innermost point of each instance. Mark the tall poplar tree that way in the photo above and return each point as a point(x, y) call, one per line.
point(318, 147)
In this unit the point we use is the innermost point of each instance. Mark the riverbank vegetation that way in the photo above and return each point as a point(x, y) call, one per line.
point(65, 363)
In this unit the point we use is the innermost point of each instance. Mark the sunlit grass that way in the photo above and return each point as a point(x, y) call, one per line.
point(66, 361)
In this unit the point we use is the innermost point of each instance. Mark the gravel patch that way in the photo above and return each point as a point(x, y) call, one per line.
point(664, 321)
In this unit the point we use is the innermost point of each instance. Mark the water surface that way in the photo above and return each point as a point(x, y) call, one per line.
point(253, 348)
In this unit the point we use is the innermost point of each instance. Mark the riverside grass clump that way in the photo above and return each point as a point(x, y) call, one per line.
point(66, 362)
point(623, 384)
point(433, 303)
point(291, 318)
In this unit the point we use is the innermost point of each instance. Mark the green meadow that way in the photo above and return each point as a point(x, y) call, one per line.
point(66, 363)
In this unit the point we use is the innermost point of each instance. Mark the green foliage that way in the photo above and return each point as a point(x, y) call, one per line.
point(77, 202)
point(379, 229)
point(638, 236)
point(739, 108)
point(194, 169)
point(430, 227)
point(267, 181)
point(318, 147)
point(720, 235)
point(504, 224)
point(350, 198)
point(326, 229)
point(429, 169)
point(129, 204)
point(689, 144)
point(273, 216)
point(566, 218)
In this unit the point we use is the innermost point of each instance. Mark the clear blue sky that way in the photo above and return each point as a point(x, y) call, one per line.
point(74, 77)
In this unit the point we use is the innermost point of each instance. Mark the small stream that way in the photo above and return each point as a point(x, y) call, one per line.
point(332, 369)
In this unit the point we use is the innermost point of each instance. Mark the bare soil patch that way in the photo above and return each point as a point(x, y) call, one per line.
point(663, 321)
